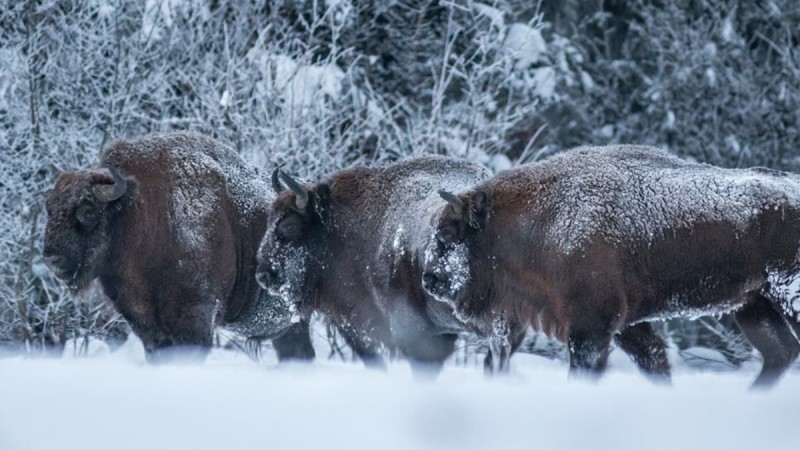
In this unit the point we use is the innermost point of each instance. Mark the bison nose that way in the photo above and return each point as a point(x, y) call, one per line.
point(261, 278)
point(264, 274)
point(429, 280)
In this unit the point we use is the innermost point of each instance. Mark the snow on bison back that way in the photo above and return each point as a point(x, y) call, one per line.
point(598, 242)
point(170, 225)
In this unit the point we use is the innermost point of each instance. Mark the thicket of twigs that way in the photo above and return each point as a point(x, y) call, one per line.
point(318, 86)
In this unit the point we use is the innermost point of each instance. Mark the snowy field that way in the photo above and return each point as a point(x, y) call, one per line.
point(115, 401)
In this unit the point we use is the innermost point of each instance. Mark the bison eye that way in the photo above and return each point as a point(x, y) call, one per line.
point(87, 216)
point(289, 229)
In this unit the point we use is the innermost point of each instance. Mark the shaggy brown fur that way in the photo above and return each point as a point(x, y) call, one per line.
point(598, 242)
point(352, 248)
point(176, 253)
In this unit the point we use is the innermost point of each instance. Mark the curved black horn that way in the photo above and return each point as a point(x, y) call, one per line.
point(276, 182)
point(456, 202)
point(111, 192)
point(301, 194)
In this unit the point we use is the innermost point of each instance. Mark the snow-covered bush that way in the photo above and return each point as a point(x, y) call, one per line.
point(317, 85)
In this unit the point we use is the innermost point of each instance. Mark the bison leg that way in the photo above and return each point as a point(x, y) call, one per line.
point(647, 349)
point(364, 346)
point(427, 353)
point(588, 353)
point(769, 333)
point(181, 331)
point(295, 343)
point(505, 340)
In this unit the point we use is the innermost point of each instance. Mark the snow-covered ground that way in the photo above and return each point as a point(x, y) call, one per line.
point(117, 402)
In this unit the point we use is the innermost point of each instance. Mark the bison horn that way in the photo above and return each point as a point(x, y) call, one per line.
point(454, 201)
point(110, 192)
point(301, 194)
point(276, 182)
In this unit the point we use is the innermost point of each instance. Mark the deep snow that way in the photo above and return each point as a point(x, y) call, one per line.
point(117, 402)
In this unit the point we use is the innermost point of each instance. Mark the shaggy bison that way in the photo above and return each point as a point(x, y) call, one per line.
point(596, 243)
point(171, 225)
point(352, 247)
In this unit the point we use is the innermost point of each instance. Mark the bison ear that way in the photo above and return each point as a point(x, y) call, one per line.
point(479, 210)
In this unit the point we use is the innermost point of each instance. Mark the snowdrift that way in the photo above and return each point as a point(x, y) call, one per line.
point(117, 402)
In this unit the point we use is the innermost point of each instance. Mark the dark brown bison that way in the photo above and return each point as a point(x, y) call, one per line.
point(596, 243)
point(170, 225)
point(352, 247)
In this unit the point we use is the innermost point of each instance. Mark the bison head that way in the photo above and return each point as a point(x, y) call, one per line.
point(290, 252)
point(80, 212)
point(448, 270)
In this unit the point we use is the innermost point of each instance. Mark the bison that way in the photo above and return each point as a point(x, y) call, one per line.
point(170, 225)
point(597, 243)
point(352, 247)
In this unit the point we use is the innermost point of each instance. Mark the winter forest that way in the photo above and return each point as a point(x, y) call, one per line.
point(317, 86)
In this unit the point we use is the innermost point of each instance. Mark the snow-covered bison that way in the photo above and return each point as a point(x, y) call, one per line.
point(171, 225)
point(352, 247)
point(596, 243)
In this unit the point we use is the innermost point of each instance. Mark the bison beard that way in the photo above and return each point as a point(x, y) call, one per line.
point(171, 229)
point(596, 243)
